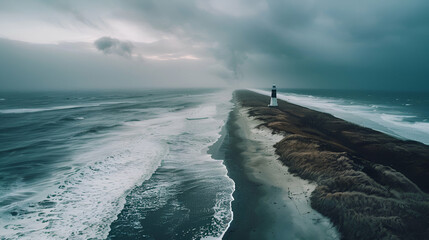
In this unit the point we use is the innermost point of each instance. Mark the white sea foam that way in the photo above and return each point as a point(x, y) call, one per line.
point(207, 132)
point(188, 153)
point(89, 197)
point(368, 116)
point(33, 110)
point(83, 201)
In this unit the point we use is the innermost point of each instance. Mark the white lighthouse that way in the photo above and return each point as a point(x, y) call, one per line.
point(273, 102)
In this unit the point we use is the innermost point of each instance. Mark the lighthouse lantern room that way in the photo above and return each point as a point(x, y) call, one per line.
point(273, 102)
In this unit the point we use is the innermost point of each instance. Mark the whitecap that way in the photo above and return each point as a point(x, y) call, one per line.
point(86, 198)
point(33, 110)
point(89, 197)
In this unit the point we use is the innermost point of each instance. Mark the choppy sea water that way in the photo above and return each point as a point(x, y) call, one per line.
point(401, 114)
point(113, 165)
point(125, 165)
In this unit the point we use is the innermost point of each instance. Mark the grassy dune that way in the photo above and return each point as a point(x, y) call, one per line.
point(371, 185)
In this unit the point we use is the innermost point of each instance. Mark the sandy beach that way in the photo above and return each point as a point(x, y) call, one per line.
point(270, 202)
point(369, 184)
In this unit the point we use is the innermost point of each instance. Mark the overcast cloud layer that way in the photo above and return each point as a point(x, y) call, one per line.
point(368, 44)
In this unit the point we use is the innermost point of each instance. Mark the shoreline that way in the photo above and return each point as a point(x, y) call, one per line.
point(269, 202)
point(369, 184)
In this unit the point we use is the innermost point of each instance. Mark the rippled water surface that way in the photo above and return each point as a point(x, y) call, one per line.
point(113, 165)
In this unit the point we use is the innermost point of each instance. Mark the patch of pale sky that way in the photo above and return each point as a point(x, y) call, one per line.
point(40, 31)
point(171, 57)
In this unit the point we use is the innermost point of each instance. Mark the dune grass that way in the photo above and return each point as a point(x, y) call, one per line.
point(371, 185)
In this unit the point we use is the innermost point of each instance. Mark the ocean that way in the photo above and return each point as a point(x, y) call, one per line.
point(146, 164)
point(120, 165)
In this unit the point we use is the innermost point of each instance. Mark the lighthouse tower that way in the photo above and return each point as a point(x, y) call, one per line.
point(273, 102)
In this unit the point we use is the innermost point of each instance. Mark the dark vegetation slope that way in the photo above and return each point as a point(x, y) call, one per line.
point(371, 185)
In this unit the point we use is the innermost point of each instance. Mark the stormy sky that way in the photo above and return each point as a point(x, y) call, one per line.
point(367, 44)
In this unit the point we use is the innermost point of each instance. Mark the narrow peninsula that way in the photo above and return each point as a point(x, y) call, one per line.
point(369, 184)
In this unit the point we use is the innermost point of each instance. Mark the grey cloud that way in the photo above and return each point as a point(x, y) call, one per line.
point(233, 60)
point(309, 44)
point(75, 13)
point(110, 45)
point(52, 67)
point(315, 44)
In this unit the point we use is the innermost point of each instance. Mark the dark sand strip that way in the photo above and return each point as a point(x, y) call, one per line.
point(371, 185)
point(269, 202)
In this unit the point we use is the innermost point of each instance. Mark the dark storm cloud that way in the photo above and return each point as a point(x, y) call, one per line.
point(329, 44)
point(52, 67)
point(110, 45)
point(308, 43)
point(68, 8)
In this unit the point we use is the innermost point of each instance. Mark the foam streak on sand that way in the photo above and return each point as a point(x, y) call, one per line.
point(283, 207)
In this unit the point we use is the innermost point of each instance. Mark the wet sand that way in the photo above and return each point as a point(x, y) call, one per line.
point(270, 203)
point(371, 185)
